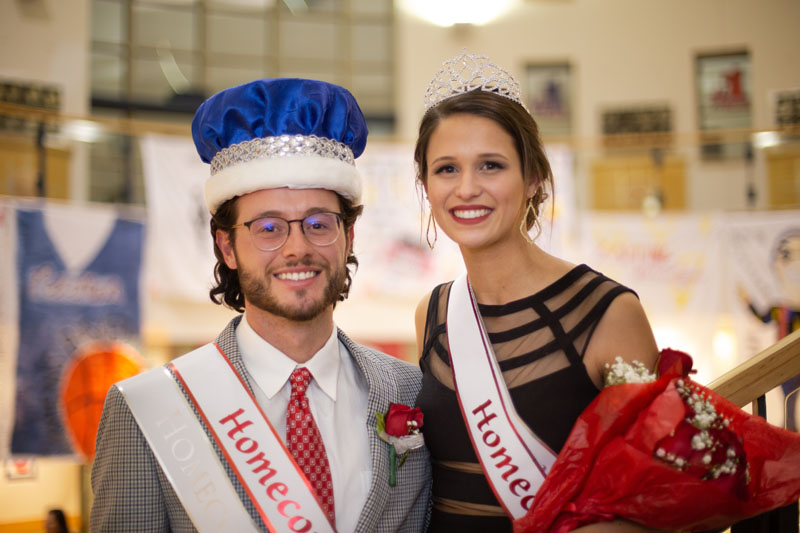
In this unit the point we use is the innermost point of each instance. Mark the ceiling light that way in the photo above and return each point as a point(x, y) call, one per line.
point(766, 139)
point(83, 131)
point(450, 12)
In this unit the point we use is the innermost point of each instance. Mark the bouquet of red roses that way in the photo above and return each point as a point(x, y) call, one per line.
point(668, 453)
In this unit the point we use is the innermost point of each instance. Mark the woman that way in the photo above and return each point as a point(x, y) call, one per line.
point(552, 325)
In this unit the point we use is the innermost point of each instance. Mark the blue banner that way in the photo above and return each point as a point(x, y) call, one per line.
point(61, 309)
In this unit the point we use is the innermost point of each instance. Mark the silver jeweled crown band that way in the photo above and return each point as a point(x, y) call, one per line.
point(467, 73)
point(281, 146)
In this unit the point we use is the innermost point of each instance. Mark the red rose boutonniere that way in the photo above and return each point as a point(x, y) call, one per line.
point(400, 427)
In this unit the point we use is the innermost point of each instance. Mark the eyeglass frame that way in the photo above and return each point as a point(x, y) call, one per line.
point(249, 223)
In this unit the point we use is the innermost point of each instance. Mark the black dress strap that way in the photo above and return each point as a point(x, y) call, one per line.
point(434, 330)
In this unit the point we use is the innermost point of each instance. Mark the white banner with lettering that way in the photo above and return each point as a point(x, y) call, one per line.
point(674, 264)
point(9, 323)
point(762, 251)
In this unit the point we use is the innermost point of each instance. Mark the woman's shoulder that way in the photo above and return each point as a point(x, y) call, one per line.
point(593, 285)
point(623, 331)
point(598, 274)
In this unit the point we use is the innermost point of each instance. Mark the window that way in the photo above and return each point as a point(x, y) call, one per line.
point(159, 59)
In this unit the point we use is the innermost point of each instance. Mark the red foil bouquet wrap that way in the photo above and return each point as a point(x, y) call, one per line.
point(668, 454)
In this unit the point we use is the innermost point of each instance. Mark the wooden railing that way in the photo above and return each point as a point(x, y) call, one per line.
point(749, 381)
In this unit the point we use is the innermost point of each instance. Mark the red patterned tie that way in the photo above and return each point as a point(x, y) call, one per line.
point(305, 442)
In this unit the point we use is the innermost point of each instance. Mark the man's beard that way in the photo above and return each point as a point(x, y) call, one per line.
point(256, 291)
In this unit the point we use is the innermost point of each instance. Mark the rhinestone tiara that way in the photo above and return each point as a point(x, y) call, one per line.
point(468, 72)
point(280, 146)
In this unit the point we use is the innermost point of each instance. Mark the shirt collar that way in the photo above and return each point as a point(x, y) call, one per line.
point(271, 368)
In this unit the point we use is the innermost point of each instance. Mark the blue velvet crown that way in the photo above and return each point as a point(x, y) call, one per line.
point(274, 107)
point(250, 132)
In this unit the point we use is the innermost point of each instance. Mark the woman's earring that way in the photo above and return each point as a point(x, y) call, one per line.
point(523, 227)
point(431, 220)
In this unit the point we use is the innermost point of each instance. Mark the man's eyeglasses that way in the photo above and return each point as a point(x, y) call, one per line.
point(270, 233)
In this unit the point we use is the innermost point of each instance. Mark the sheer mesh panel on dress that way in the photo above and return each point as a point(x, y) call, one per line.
point(535, 336)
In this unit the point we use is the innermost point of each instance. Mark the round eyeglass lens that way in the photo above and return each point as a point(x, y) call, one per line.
point(269, 233)
point(321, 229)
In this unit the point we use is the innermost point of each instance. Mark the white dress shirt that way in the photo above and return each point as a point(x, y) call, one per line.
point(337, 397)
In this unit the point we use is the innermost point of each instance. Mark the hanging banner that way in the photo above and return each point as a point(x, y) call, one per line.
point(78, 278)
point(8, 323)
point(180, 254)
point(558, 216)
point(395, 260)
point(763, 254)
point(673, 263)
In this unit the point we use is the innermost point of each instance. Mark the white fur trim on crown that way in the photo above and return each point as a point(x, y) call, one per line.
point(296, 172)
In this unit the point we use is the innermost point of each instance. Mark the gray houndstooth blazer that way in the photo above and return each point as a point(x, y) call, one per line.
point(131, 493)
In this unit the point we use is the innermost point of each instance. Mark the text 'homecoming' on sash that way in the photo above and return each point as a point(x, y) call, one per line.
point(277, 487)
point(182, 449)
point(513, 459)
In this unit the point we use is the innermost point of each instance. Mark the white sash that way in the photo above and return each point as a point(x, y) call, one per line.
point(513, 459)
point(276, 486)
point(184, 453)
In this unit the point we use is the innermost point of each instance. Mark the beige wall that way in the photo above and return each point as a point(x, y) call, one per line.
point(622, 52)
point(47, 42)
point(24, 502)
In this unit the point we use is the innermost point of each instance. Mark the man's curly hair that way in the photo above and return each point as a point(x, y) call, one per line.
point(227, 290)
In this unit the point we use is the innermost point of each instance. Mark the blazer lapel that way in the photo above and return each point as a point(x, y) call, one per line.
point(382, 391)
point(226, 340)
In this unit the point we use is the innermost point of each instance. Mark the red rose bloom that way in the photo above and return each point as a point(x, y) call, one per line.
point(674, 363)
point(398, 418)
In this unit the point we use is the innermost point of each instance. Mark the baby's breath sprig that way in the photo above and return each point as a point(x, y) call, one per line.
point(713, 450)
point(622, 372)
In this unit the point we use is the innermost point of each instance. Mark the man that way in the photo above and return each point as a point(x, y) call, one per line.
point(271, 428)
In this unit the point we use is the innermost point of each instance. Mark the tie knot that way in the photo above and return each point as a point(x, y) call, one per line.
point(300, 379)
